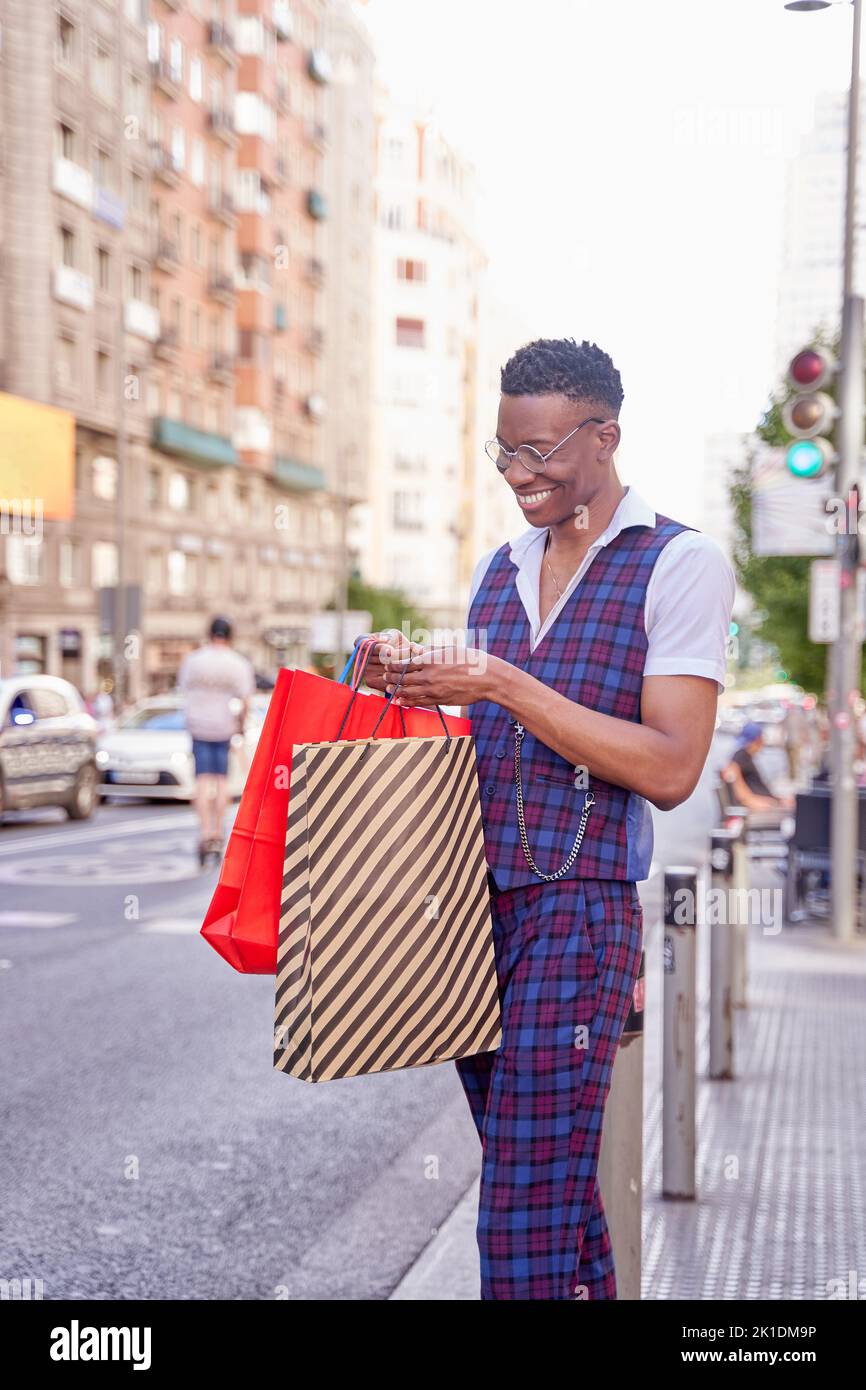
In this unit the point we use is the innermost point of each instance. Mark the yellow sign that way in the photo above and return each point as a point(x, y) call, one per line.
point(37, 458)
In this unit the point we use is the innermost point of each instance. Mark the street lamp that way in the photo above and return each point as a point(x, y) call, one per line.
point(846, 655)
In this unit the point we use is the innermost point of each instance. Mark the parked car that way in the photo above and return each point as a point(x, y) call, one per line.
point(47, 747)
point(148, 751)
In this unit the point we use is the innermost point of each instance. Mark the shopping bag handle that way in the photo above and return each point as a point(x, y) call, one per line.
point(365, 644)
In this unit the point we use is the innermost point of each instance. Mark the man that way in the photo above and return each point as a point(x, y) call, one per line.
point(599, 652)
point(741, 773)
point(216, 682)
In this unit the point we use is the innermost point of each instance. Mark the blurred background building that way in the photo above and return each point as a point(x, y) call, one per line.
point(256, 287)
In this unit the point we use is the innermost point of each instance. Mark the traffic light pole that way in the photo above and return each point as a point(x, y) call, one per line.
point(846, 654)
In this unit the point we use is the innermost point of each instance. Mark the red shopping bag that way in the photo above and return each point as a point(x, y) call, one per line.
point(242, 921)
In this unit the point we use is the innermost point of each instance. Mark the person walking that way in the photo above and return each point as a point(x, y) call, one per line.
point(216, 682)
point(595, 658)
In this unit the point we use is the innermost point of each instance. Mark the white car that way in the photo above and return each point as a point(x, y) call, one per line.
point(47, 746)
point(148, 752)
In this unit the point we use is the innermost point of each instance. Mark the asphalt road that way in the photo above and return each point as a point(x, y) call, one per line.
point(147, 1147)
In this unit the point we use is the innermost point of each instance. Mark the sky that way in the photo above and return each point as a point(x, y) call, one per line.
point(631, 159)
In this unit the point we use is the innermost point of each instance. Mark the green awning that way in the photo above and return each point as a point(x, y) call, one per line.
point(198, 446)
point(302, 477)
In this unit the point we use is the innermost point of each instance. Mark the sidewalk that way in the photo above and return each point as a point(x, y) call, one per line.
point(781, 1169)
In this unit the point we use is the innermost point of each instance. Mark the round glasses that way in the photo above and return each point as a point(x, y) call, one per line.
point(526, 454)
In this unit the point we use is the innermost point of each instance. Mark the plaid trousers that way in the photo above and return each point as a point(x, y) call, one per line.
point(567, 959)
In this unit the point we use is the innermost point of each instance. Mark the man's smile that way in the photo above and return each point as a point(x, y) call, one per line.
point(528, 500)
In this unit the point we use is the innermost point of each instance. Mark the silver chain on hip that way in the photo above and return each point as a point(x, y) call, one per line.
point(588, 803)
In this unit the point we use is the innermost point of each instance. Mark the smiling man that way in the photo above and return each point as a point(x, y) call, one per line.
point(596, 655)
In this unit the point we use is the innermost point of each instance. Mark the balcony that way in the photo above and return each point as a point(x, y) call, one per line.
point(167, 256)
point(298, 476)
point(166, 345)
point(141, 319)
point(319, 66)
point(315, 271)
point(72, 287)
point(163, 165)
point(73, 182)
point(222, 125)
point(197, 446)
point(221, 367)
point(221, 38)
point(316, 205)
point(165, 77)
point(222, 205)
point(221, 287)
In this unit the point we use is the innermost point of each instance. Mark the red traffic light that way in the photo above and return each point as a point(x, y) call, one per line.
point(811, 368)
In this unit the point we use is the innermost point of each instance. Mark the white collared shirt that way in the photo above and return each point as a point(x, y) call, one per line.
point(687, 612)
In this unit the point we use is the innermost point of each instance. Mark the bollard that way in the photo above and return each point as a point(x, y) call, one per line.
point(678, 1081)
point(740, 915)
point(722, 926)
point(620, 1165)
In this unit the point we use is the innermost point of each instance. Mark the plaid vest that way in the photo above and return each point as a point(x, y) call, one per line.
point(594, 654)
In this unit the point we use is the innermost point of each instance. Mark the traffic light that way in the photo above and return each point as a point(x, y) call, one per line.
point(810, 414)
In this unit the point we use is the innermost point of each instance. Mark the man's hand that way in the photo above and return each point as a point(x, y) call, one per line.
point(391, 642)
point(446, 675)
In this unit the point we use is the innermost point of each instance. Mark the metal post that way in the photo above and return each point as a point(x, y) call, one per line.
point(678, 1084)
point(722, 929)
point(620, 1165)
point(845, 681)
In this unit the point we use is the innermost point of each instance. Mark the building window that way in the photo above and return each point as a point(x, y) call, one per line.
point(196, 80)
point(103, 478)
point(178, 492)
point(154, 41)
point(177, 572)
point(103, 169)
point(412, 270)
point(135, 282)
point(175, 60)
point(65, 367)
point(67, 246)
point(178, 147)
point(103, 372)
point(195, 328)
point(137, 193)
point(65, 49)
point(103, 268)
point(102, 71)
point(68, 563)
point(103, 561)
point(409, 511)
point(24, 560)
point(65, 141)
point(195, 243)
point(154, 480)
point(410, 333)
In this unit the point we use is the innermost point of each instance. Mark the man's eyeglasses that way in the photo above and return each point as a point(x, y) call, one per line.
point(526, 454)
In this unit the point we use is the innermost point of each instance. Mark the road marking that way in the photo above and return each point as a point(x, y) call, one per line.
point(101, 830)
point(172, 926)
point(37, 919)
point(91, 870)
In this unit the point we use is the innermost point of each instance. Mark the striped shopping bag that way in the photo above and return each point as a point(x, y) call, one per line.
point(385, 953)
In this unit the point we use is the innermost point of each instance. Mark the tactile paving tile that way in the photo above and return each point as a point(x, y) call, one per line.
point(794, 1219)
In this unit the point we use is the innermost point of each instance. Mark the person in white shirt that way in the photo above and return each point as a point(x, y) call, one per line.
point(217, 683)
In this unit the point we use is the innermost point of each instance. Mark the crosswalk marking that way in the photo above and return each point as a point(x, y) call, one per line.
point(172, 926)
point(37, 919)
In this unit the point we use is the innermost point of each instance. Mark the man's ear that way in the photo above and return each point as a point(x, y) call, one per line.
point(609, 435)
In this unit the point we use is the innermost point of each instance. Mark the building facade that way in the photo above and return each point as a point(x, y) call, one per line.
point(162, 279)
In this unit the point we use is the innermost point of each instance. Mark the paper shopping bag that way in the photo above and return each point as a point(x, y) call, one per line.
point(385, 956)
point(242, 920)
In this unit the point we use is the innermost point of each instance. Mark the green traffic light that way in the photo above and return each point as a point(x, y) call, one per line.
point(805, 459)
point(733, 629)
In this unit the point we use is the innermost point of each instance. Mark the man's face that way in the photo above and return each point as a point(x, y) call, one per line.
point(574, 474)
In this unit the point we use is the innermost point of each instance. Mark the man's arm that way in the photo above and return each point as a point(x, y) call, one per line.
point(661, 758)
point(753, 801)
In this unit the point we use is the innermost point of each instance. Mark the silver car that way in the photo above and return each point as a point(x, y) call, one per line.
point(47, 746)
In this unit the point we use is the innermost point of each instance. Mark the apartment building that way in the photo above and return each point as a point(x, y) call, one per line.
point(76, 322)
point(162, 279)
point(427, 432)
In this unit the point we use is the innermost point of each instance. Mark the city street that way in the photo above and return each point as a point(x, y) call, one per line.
point(155, 1153)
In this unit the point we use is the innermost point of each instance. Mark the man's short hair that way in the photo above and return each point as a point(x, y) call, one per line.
point(562, 367)
point(221, 627)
